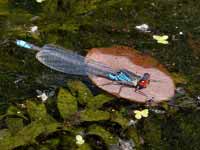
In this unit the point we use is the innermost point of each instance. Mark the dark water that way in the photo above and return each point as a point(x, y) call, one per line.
point(80, 25)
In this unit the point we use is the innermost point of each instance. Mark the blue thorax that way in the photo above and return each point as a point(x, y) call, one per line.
point(120, 76)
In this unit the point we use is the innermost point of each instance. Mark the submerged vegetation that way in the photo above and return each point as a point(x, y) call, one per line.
point(80, 109)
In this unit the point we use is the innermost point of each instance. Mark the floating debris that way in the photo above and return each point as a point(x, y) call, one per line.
point(18, 80)
point(180, 90)
point(35, 18)
point(198, 100)
point(22, 105)
point(143, 28)
point(181, 33)
point(126, 145)
point(157, 111)
point(33, 29)
point(132, 122)
point(79, 140)
point(19, 112)
point(123, 145)
point(42, 95)
point(143, 113)
point(161, 39)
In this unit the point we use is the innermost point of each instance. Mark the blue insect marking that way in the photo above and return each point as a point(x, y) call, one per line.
point(23, 44)
point(120, 76)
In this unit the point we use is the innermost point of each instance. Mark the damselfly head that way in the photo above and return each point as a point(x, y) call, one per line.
point(146, 76)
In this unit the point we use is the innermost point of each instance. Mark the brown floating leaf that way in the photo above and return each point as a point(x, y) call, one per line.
point(126, 58)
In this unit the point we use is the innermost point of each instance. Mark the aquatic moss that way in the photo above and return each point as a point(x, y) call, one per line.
point(133, 134)
point(28, 134)
point(4, 8)
point(119, 118)
point(189, 129)
point(36, 111)
point(4, 133)
point(50, 7)
point(52, 143)
point(84, 7)
point(14, 125)
point(66, 103)
point(178, 78)
point(98, 101)
point(94, 115)
point(14, 111)
point(153, 133)
point(80, 90)
point(101, 132)
point(67, 141)
point(186, 102)
point(84, 146)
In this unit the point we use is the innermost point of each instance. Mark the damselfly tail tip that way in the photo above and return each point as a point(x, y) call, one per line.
point(23, 44)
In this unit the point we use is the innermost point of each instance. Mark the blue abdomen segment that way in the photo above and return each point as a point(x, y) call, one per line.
point(23, 44)
point(120, 76)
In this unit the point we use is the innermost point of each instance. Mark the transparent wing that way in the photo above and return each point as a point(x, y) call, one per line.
point(66, 61)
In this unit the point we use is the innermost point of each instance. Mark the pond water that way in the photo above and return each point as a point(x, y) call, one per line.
point(44, 109)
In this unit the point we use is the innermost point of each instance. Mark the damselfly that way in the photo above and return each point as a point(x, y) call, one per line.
point(66, 61)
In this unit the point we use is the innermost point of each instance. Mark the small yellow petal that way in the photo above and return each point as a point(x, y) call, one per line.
point(160, 38)
point(162, 42)
point(136, 111)
point(145, 113)
point(79, 137)
point(164, 37)
point(138, 116)
point(156, 37)
point(79, 140)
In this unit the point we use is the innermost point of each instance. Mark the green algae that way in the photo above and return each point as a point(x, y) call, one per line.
point(67, 103)
point(178, 78)
point(14, 125)
point(152, 133)
point(84, 146)
point(133, 134)
point(81, 91)
point(94, 115)
point(119, 118)
point(4, 133)
point(14, 111)
point(52, 143)
point(4, 8)
point(85, 96)
point(105, 135)
point(27, 134)
point(36, 111)
point(98, 101)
